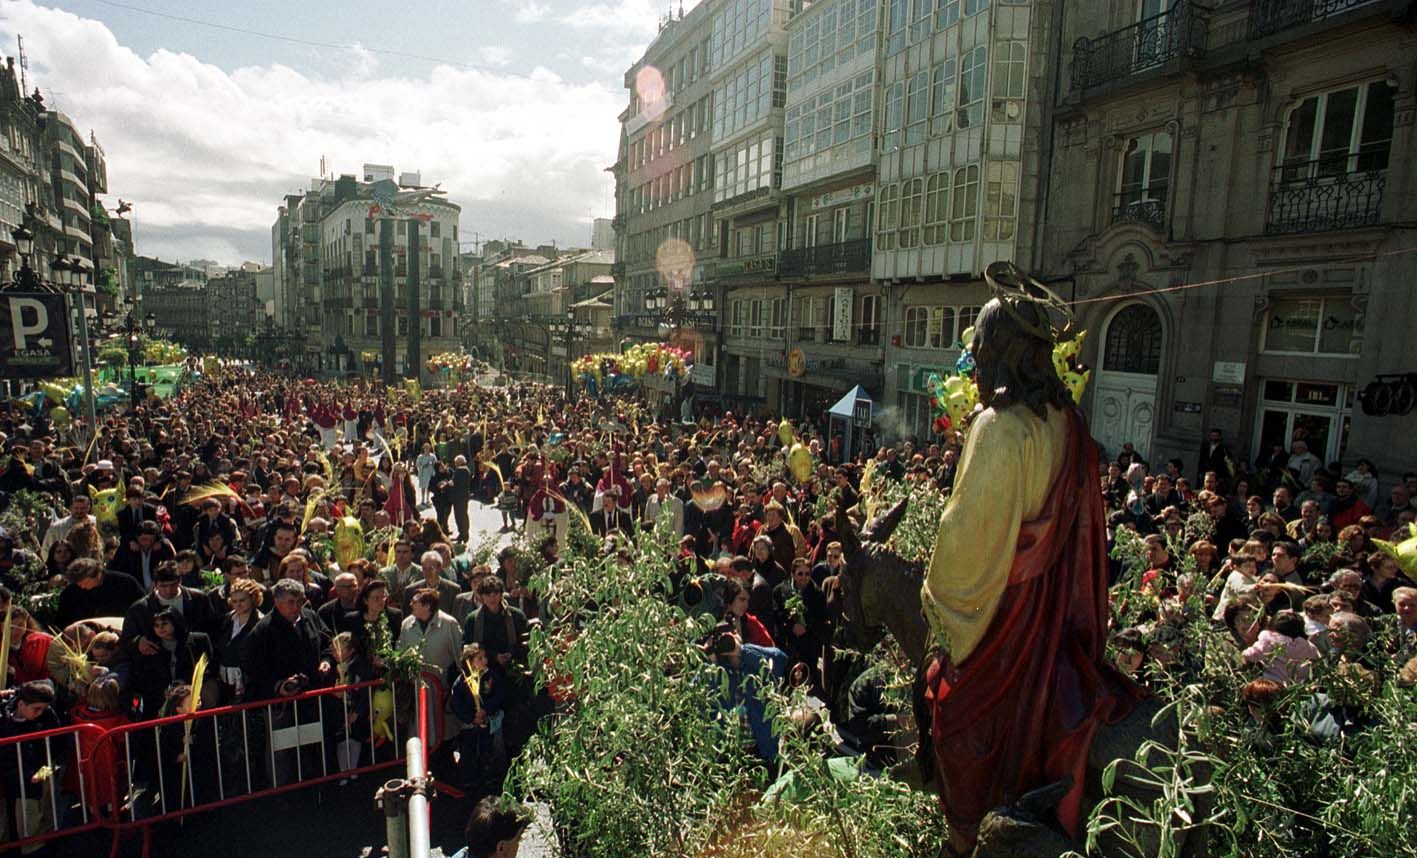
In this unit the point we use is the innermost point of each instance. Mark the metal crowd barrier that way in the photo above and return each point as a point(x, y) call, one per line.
point(134, 776)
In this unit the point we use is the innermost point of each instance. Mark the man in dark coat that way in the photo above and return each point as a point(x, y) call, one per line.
point(1214, 456)
point(283, 654)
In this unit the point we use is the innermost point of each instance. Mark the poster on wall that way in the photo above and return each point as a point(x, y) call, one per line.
point(841, 315)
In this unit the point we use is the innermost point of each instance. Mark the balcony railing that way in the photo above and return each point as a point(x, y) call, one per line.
point(1148, 212)
point(847, 257)
point(1151, 42)
point(1268, 17)
point(1313, 197)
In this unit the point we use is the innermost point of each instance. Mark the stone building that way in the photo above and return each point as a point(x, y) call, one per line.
point(1230, 201)
point(371, 283)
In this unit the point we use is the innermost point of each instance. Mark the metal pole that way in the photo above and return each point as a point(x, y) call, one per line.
point(395, 820)
point(90, 408)
point(418, 834)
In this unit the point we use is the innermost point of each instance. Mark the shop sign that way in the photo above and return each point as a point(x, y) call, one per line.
point(796, 363)
point(703, 374)
point(843, 195)
point(1228, 372)
point(764, 264)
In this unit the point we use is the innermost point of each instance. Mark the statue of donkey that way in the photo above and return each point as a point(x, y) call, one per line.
point(880, 593)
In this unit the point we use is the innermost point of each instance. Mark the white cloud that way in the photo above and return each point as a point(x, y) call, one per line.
point(530, 11)
point(206, 155)
point(494, 55)
point(634, 21)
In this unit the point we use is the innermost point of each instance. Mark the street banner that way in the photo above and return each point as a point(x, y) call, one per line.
point(34, 335)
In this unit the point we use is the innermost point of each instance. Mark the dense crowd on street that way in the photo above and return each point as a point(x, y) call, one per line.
point(215, 524)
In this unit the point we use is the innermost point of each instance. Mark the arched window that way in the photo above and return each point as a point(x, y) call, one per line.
point(1133, 342)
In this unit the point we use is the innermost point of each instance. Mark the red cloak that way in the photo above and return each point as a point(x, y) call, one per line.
point(1021, 709)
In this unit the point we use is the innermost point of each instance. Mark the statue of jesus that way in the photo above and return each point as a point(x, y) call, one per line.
point(1016, 591)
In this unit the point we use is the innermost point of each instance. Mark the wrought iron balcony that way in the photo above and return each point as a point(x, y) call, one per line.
point(847, 257)
point(1268, 17)
point(1148, 212)
point(1177, 33)
point(1321, 195)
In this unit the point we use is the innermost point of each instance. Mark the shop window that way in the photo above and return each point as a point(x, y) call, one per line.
point(1321, 325)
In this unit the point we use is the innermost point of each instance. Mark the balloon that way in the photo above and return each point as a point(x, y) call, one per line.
point(59, 416)
point(799, 462)
point(964, 365)
point(785, 433)
point(349, 541)
point(1404, 552)
point(383, 706)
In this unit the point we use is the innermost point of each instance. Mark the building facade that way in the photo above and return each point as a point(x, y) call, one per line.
point(373, 282)
point(1231, 194)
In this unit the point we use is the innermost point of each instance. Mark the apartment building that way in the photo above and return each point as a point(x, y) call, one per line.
point(1260, 152)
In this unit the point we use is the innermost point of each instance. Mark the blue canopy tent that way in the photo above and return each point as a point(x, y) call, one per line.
point(855, 410)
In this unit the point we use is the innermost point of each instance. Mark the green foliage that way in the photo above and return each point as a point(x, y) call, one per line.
point(22, 518)
point(914, 537)
point(644, 764)
point(1261, 783)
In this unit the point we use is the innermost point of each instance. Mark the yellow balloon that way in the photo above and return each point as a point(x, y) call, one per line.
point(799, 462)
point(785, 433)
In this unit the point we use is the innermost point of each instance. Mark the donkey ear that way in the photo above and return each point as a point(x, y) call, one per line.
point(846, 532)
point(881, 529)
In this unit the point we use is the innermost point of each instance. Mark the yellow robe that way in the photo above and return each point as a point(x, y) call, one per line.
point(1010, 461)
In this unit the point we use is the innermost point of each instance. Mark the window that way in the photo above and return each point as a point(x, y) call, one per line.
point(890, 136)
point(942, 97)
point(1143, 178)
point(739, 314)
point(964, 320)
point(942, 324)
point(1328, 325)
point(755, 318)
point(1008, 84)
point(973, 71)
point(435, 326)
point(841, 224)
point(966, 203)
point(371, 325)
point(809, 236)
point(1000, 200)
point(917, 108)
point(779, 318)
point(435, 229)
point(889, 217)
point(869, 327)
point(805, 332)
point(974, 7)
point(896, 16)
point(912, 201)
point(1343, 131)
point(946, 14)
point(917, 323)
point(921, 20)
point(937, 211)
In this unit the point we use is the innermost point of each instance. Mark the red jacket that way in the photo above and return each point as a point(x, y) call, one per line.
point(30, 665)
point(754, 632)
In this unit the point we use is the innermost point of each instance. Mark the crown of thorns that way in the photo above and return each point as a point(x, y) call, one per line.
point(1014, 288)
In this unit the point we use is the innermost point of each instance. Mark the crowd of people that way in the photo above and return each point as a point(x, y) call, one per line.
point(1296, 564)
point(218, 524)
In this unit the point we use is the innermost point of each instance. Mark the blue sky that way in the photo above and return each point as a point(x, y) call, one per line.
point(511, 105)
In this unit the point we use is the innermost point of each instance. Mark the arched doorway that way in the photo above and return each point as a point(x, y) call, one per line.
point(1124, 389)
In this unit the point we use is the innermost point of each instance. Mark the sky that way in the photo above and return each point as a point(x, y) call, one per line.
point(209, 113)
